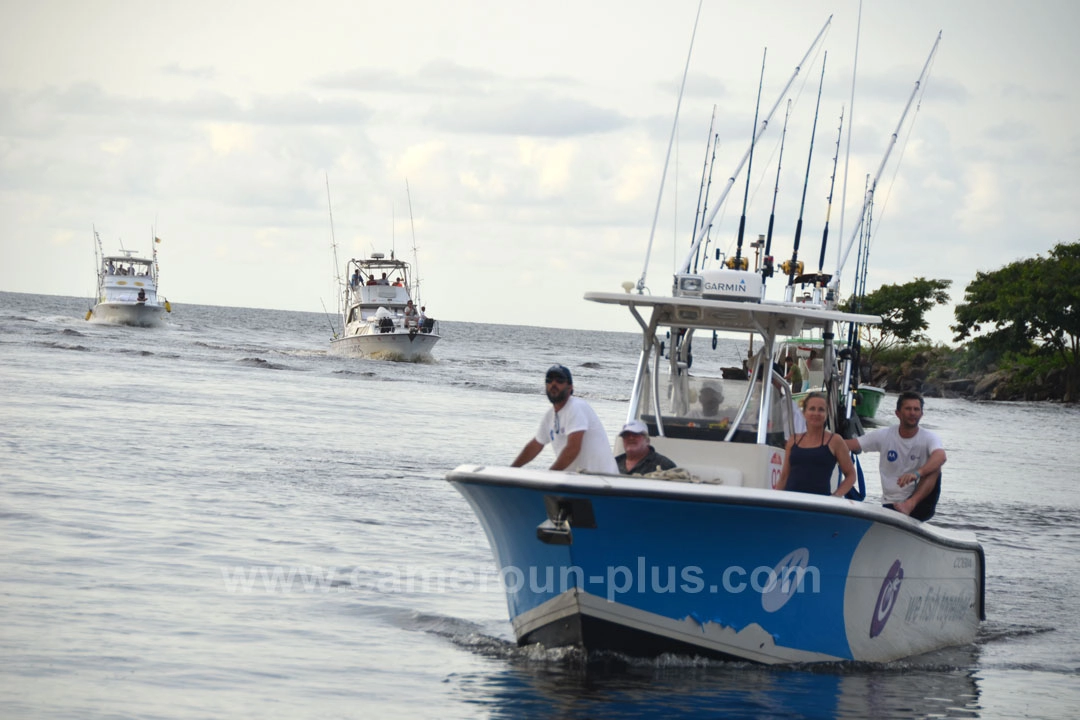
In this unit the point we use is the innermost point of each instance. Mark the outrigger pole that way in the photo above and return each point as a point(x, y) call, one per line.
point(834, 284)
point(671, 142)
point(685, 267)
point(333, 244)
point(416, 259)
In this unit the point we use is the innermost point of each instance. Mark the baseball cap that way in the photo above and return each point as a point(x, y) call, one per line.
point(710, 387)
point(559, 372)
point(634, 426)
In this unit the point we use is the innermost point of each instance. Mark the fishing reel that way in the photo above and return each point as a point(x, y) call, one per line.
point(787, 266)
point(767, 266)
point(737, 263)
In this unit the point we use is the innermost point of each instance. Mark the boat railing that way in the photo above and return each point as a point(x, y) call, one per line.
point(709, 429)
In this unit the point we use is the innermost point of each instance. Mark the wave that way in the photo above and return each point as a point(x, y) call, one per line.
point(60, 346)
point(359, 373)
point(264, 364)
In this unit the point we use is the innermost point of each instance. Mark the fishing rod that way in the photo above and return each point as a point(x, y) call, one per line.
point(793, 266)
point(832, 185)
point(860, 277)
point(685, 267)
point(708, 188)
point(667, 158)
point(767, 263)
point(834, 284)
point(853, 369)
point(739, 263)
point(704, 171)
point(333, 330)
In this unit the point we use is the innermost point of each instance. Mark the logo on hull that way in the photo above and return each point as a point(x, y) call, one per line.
point(786, 579)
point(886, 598)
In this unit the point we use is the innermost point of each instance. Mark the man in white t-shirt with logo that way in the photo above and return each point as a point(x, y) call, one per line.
point(573, 429)
point(911, 460)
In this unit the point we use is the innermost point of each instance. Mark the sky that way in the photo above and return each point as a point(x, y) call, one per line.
point(520, 147)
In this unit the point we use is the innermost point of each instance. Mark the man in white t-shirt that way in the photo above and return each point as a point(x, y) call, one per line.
point(573, 429)
point(911, 460)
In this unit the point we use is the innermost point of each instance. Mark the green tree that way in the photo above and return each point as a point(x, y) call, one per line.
point(903, 311)
point(1029, 303)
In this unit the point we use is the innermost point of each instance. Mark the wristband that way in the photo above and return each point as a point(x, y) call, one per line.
point(918, 476)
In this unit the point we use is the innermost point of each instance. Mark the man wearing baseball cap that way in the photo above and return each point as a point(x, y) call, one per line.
point(640, 457)
point(573, 429)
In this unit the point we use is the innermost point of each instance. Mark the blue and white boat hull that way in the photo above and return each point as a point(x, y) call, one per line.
point(645, 567)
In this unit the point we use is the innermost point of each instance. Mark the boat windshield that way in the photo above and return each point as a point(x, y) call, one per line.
point(705, 408)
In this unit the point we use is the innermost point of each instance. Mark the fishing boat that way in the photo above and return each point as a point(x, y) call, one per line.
point(722, 565)
point(380, 319)
point(710, 559)
point(127, 289)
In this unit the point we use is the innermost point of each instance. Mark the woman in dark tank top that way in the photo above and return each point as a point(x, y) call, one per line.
point(811, 457)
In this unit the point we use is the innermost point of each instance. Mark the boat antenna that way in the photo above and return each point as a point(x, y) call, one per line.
point(767, 262)
point(333, 246)
point(739, 263)
point(416, 261)
point(834, 284)
point(702, 193)
point(795, 267)
point(685, 267)
point(832, 185)
point(667, 158)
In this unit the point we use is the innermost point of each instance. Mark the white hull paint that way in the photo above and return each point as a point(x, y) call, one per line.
point(386, 346)
point(137, 315)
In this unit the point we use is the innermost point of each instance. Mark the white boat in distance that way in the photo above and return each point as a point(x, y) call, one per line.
point(380, 319)
point(127, 289)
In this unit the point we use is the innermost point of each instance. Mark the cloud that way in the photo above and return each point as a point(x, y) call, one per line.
point(80, 101)
point(535, 115)
point(439, 77)
point(204, 72)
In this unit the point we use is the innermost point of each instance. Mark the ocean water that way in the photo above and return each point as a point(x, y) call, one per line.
point(217, 519)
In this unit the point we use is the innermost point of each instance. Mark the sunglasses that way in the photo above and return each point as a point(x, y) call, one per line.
point(555, 378)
